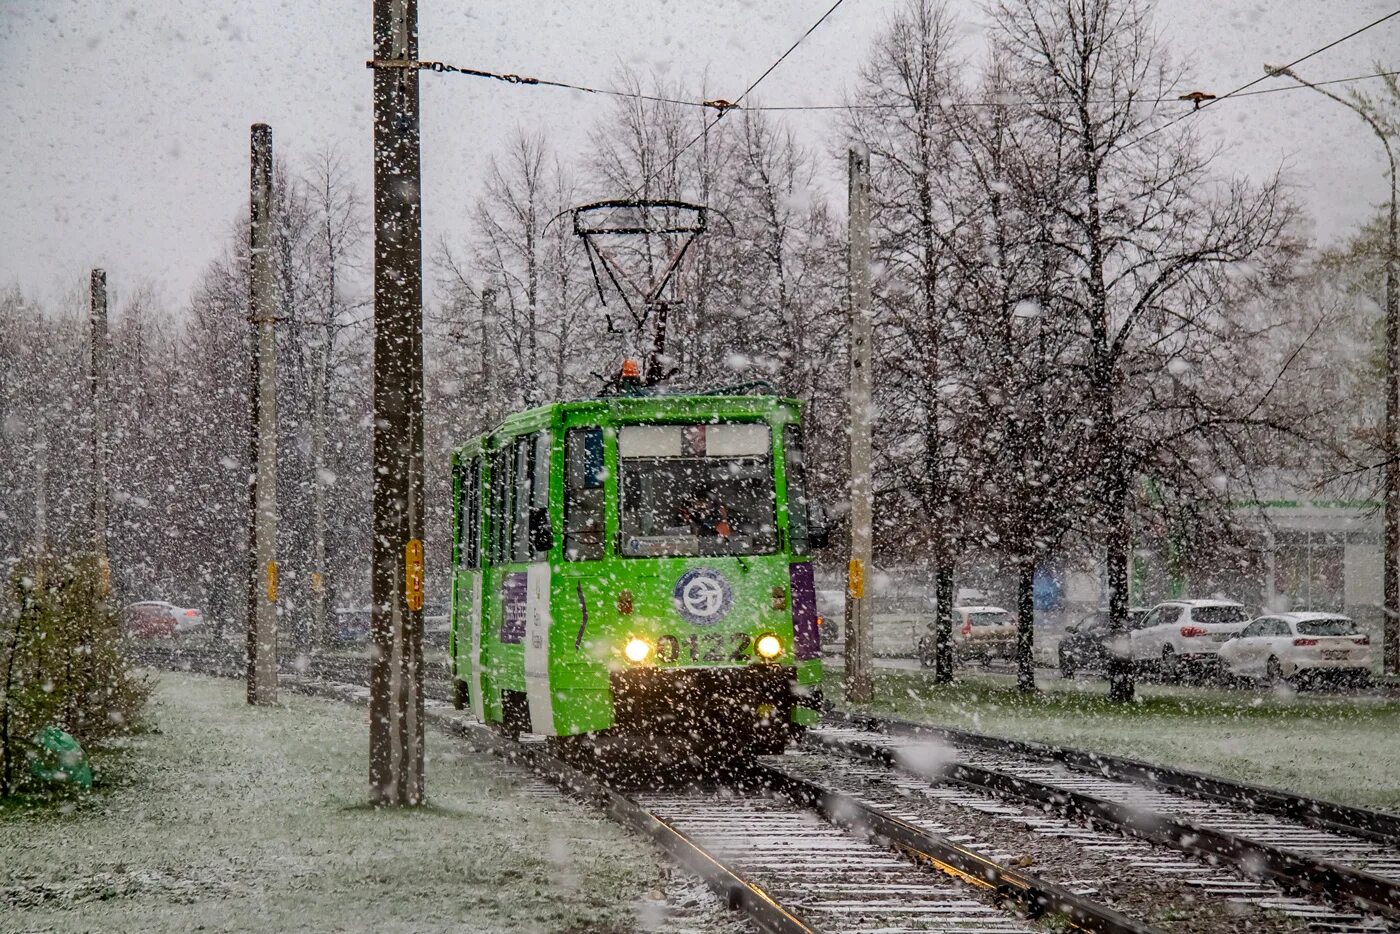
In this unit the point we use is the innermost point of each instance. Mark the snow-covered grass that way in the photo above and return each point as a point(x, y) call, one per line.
point(233, 818)
point(1341, 748)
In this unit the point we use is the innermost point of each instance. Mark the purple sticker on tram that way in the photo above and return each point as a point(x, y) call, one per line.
point(806, 633)
point(515, 591)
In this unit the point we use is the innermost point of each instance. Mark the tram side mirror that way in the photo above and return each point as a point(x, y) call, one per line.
point(541, 533)
point(818, 527)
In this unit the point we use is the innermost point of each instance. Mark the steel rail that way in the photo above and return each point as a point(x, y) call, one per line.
point(1290, 869)
point(1372, 825)
point(1035, 895)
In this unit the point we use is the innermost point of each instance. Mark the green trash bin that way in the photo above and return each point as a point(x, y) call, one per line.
point(59, 759)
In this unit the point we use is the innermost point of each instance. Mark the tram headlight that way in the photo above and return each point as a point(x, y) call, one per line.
point(637, 650)
point(768, 646)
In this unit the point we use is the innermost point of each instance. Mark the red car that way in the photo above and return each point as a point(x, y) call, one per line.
point(156, 619)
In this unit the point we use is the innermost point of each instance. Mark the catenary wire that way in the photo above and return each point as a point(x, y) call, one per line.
point(718, 105)
point(723, 106)
point(726, 107)
point(1239, 91)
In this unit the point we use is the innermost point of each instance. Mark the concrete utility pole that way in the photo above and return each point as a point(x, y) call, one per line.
point(97, 379)
point(488, 361)
point(319, 392)
point(262, 288)
point(1390, 653)
point(860, 638)
point(41, 494)
point(396, 690)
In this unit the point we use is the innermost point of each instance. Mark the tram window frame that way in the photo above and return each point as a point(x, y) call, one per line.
point(590, 502)
point(500, 505)
point(799, 515)
point(523, 461)
point(459, 518)
point(469, 520)
point(630, 480)
point(540, 531)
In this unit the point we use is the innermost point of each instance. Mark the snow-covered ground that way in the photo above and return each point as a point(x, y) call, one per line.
point(1342, 748)
point(233, 818)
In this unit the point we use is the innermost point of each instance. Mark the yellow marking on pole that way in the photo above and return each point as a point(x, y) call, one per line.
point(413, 573)
point(855, 578)
point(272, 582)
point(104, 569)
point(317, 583)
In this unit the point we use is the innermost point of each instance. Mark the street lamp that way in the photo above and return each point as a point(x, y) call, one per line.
point(1391, 573)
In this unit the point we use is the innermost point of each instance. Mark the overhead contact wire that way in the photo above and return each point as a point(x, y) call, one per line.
point(1239, 91)
point(723, 105)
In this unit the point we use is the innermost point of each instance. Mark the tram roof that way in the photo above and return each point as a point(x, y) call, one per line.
point(627, 407)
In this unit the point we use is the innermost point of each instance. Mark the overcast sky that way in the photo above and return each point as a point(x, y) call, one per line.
point(126, 124)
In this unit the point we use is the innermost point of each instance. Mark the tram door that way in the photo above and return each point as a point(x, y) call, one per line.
point(466, 584)
point(530, 572)
point(584, 591)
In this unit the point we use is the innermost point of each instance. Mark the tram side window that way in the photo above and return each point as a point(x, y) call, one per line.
point(469, 526)
point(500, 503)
point(540, 538)
point(459, 489)
point(524, 448)
point(799, 521)
point(583, 494)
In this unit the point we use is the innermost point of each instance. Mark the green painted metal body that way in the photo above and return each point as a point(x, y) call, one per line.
point(552, 630)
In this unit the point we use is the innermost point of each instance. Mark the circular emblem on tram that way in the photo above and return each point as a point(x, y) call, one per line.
point(702, 596)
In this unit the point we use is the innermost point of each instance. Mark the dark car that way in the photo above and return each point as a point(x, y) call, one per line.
point(156, 619)
point(1085, 644)
point(352, 624)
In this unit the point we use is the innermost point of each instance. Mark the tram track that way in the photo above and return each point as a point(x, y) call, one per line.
point(795, 858)
point(1324, 863)
point(789, 855)
point(1139, 878)
point(832, 838)
point(1358, 822)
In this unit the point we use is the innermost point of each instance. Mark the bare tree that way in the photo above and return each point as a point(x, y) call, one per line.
point(537, 268)
point(1010, 356)
point(334, 301)
point(1145, 237)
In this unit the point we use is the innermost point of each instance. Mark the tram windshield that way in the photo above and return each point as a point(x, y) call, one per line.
point(696, 490)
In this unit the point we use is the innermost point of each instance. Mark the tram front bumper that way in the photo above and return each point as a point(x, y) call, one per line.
point(708, 700)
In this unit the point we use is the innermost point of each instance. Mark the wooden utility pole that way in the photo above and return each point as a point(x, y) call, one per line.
point(97, 379)
point(860, 638)
point(262, 288)
point(396, 691)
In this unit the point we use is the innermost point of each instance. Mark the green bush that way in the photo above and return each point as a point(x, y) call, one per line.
point(60, 662)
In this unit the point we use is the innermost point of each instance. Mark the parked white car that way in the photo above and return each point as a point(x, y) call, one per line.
point(1286, 645)
point(1182, 633)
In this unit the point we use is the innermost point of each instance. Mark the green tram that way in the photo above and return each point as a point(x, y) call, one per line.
point(637, 567)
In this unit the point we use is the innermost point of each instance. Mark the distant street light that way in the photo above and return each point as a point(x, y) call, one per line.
point(1391, 573)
